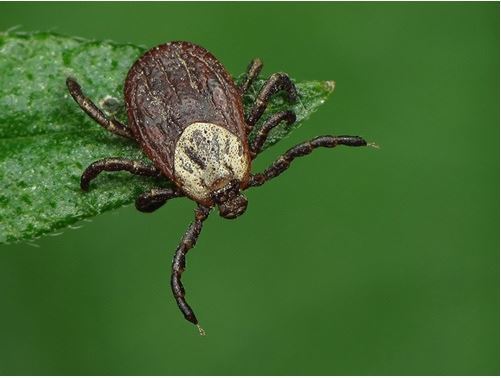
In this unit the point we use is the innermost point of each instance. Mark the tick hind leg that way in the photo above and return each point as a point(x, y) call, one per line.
point(155, 198)
point(179, 264)
point(116, 164)
point(94, 112)
point(276, 83)
point(284, 161)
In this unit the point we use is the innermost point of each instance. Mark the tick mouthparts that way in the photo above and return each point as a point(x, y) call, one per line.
point(233, 207)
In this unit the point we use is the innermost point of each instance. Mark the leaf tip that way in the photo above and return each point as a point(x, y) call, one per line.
point(330, 85)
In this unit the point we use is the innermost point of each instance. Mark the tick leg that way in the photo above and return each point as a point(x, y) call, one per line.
point(116, 164)
point(284, 161)
point(94, 112)
point(155, 198)
point(179, 263)
point(277, 82)
point(252, 73)
point(288, 116)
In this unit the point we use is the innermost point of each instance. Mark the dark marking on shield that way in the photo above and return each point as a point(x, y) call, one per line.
point(194, 157)
point(229, 168)
point(215, 149)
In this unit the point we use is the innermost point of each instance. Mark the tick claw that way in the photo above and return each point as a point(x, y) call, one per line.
point(373, 145)
point(200, 330)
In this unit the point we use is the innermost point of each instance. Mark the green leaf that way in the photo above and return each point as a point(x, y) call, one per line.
point(46, 140)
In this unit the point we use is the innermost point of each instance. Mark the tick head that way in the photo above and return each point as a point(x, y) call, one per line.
point(233, 207)
point(230, 201)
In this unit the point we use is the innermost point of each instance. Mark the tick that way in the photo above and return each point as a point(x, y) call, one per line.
point(187, 115)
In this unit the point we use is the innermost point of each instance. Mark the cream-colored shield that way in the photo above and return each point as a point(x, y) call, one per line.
point(205, 154)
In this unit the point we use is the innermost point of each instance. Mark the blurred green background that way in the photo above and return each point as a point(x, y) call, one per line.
point(356, 261)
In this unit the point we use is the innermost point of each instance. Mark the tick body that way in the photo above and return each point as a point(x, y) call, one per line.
point(186, 113)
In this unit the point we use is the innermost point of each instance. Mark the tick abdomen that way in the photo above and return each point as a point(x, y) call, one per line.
point(207, 157)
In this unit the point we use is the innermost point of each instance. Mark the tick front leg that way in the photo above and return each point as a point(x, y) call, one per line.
point(288, 116)
point(179, 264)
point(276, 83)
point(253, 70)
point(284, 161)
point(94, 112)
point(153, 199)
point(116, 164)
